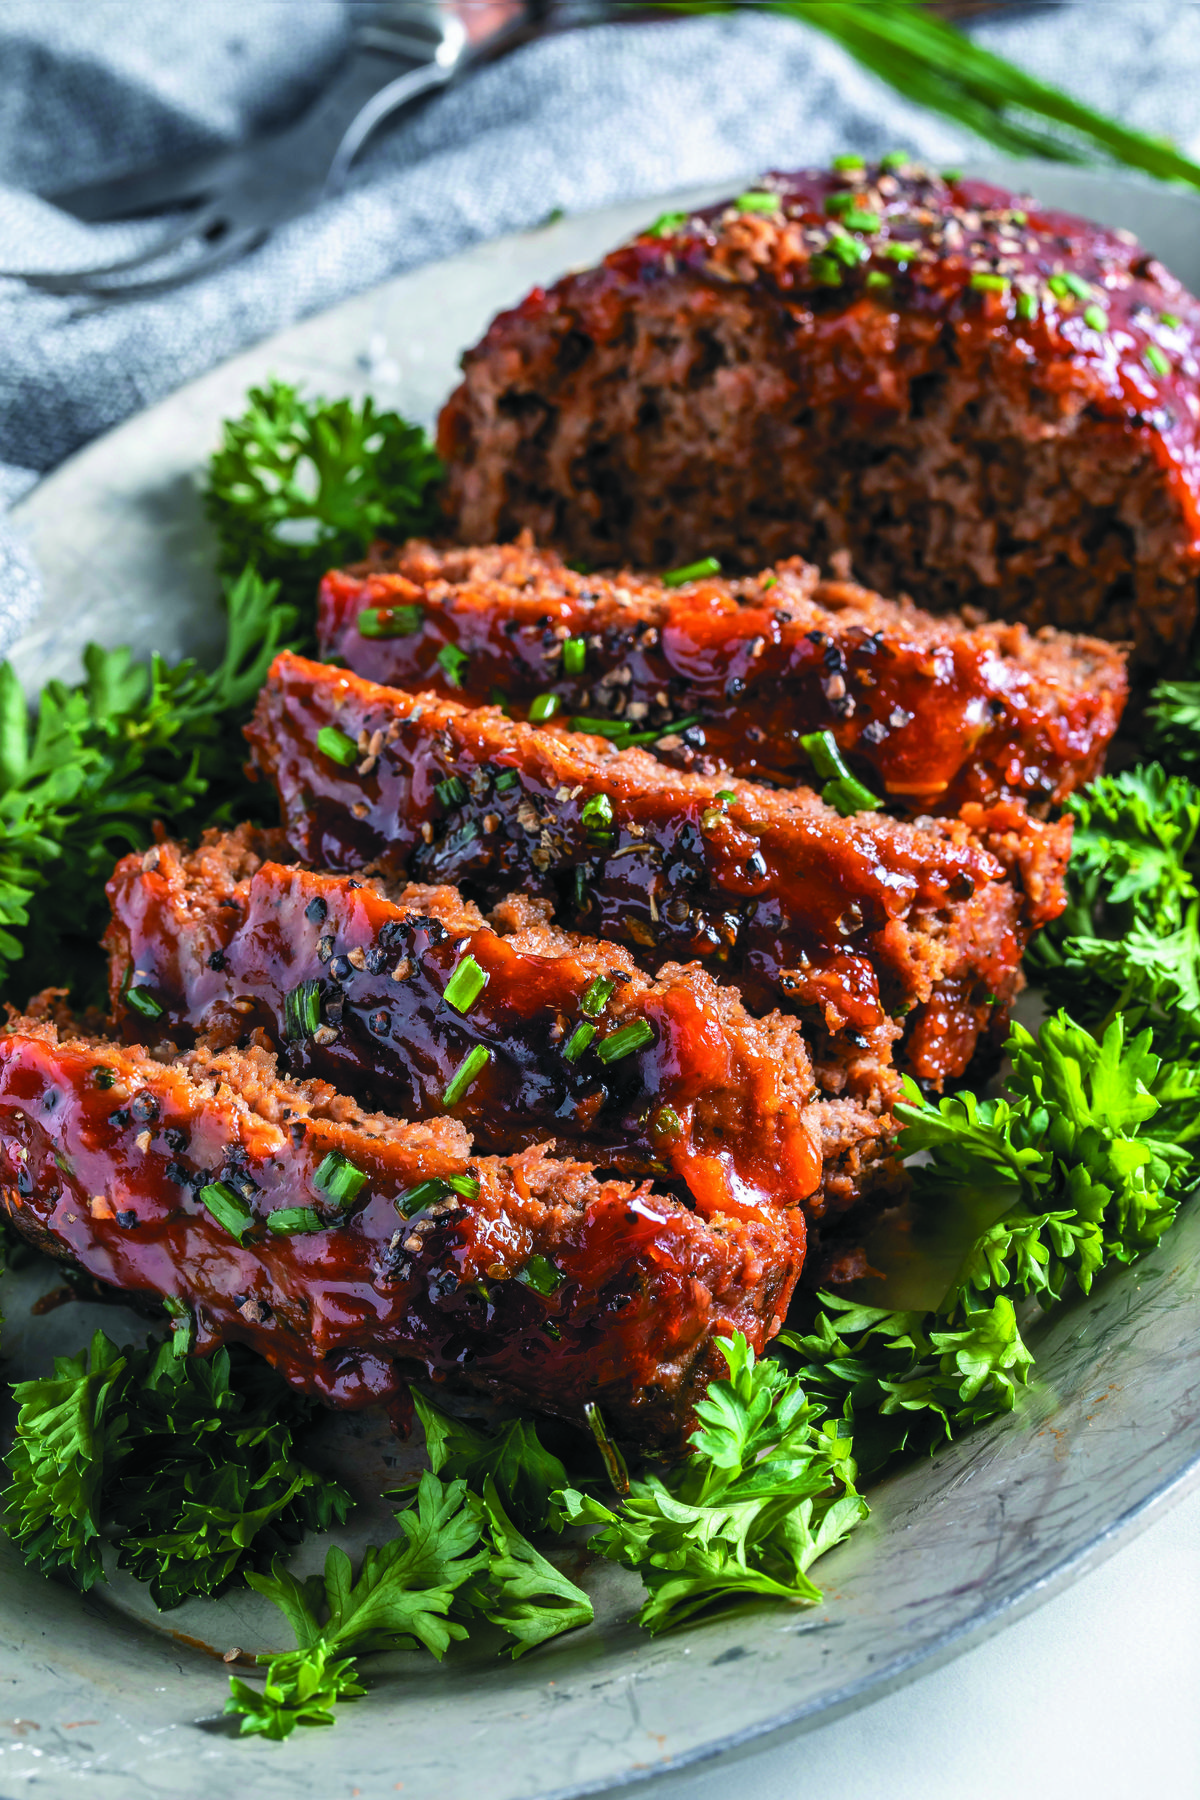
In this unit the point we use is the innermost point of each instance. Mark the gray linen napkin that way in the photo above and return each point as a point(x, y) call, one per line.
point(576, 121)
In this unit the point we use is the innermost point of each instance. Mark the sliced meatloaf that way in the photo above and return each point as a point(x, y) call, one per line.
point(715, 674)
point(858, 922)
point(353, 1251)
point(392, 993)
point(987, 402)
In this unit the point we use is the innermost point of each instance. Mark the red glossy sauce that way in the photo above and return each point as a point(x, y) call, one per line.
point(1139, 369)
point(700, 1101)
point(109, 1177)
point(855, 918)
point(929, 718)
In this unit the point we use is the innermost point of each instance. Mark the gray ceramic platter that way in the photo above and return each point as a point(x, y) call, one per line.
point(103, 1692)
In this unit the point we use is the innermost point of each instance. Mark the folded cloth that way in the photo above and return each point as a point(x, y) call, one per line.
point(579, 120)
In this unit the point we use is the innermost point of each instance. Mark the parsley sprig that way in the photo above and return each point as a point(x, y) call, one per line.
point(458, 1557)
point(1129, 940)
point(83, 780)
point(193, 1462)
point(299, 486)
point(768, 1489)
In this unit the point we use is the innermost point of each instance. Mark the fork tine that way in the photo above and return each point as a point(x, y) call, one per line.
point(86, 285)
point(196, 225)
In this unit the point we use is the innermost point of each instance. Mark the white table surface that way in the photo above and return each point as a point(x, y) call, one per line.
point(1097, 1693)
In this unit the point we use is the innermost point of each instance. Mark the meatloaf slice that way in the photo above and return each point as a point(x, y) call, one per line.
point(985, 401)
point(389, 994)
point(354, 1251)
point(717, 674)
point(857, 922)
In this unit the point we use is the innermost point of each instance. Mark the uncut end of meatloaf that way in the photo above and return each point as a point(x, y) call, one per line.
point(860, 925)
point(988, 402)
point(333, 1241)
point(731, 674)
point(721, 1102)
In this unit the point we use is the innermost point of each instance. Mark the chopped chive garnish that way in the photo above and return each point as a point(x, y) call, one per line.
point(426, 1193)
point(498, 697)
point(990, 284)
point(1096, 317)
point(860, 219)
point(543, 707)
point(338, 1177)
point(849, 159)
point(665, 224)
point(848, 250)
point(897, 250)
point(1158, 361)
point(1027, 306)
point(842, 790)
point(182, 1324)
point(505, 779)
point(540, 1274)
point(951, 174)
point(1077, 285)
point(291, 1220)
point(144, 1002)
point(696, 571)
point(757, 203)
point(302, 1010)
point(845, 200)
point(578, 1042)
point(451, 792)
point(227, 1208)
point(466, 1185)
point(467, 1073)
point(1059, 286)
point(726, 796)
point(1171, 319)
point(337, 746)
point(624, 1042)
point(877, 279)
point(390, 621)
point(105, 1078)
point(596, 996)
point(582, 875)
point(465, 985)
point(895, 159)
point(574, 656)
point(1019, 218)
point(848, 796)
point(597, 813)
point(825, 271)
point(666, 1122)
point(605, 728)
point(453, 663)
point(609, 1449)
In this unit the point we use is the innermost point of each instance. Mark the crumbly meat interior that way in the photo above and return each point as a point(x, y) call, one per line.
point(972, 399)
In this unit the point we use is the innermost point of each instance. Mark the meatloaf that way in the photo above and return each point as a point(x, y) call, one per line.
point(353, 1251)
point(715, 674)
point(392, 994)
point(987, 402)
point(869, 926)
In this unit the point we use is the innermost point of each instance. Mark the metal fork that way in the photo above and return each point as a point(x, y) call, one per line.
point(238, 197)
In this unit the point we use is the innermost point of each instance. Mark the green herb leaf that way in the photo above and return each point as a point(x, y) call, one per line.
point(299, 486)
point(192, 1460)
point(227, 1208)
point(465, 985)
point(338, 1178)
point(768, 1490)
